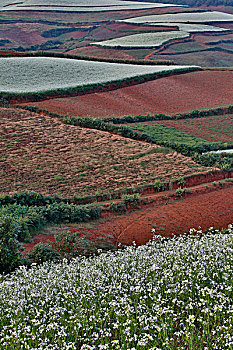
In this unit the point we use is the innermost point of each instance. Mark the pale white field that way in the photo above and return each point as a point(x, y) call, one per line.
point(77, 5)
point(194, 17)
point(192, 28)
point(33, 74)
point(143, 40)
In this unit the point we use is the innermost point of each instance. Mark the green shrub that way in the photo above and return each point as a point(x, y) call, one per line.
point(158, 185)
point(70, 245)
point(180, 191)
point(42, 252)
point(131, 199)
point(10, 248)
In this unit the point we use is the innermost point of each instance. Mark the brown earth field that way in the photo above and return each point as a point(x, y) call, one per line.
point(170, 95)
point(42, 154)
point(210, 209)
point(204, 58)
point(89, 17)
point(213, 128)
point(172, 217)
point(197, 50)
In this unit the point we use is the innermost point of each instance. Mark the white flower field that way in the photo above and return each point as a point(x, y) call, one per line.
point(169, 294)
point(144, 39)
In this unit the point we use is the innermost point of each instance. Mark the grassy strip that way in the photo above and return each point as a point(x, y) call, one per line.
point(7, 98)
point(195, 150)
point(161, 116)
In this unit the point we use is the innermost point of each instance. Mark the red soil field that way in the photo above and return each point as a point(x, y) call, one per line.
point(170, 95)
point(121, 26)
point(220, 8)
point(203, 210)
point(210, 209)
point(80, 17)
point(94, 51)
point(214, 129)
point(40, 153)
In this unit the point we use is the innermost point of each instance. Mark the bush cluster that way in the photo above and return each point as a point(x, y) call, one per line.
point(18, 222)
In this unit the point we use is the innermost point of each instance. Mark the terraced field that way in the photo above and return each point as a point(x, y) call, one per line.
point(34, 74)
point(171, 95)
point(144, 39)
point(213, 129)
point(42, 154)
point(74, 186)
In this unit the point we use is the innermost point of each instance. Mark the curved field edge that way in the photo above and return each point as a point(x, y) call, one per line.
point(84, 57)
point(90, 88)
point(169, 95)
point(122, 130)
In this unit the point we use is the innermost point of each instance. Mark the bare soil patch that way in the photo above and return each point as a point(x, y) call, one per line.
point(205, 210)
point(89, 17)
point(42, 154)
point(166, 217)
point(170, 95)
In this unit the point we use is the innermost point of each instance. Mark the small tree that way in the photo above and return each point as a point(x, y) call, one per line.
point(10, 248)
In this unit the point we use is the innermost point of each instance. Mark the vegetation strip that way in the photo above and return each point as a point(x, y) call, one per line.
point(86, 58)
point(191, 115)
point(222, 160)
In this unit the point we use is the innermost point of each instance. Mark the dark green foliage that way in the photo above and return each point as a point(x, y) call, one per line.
point(4, 41)
point(131, 199)
point(55, 32)
point(10, 248)
point(30, 219)
point(70, 245)
point(159, 186)
point(48, 45)
point(118, 207)
point(160, 116)
point(223, 161)
point(69, 213)
point(27, 198)
point(42, 252)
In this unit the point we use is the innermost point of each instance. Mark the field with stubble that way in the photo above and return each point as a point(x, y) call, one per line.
point(43, 154)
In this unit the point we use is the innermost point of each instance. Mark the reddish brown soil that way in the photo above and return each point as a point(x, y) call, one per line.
point(173, 216)
point(205, 39)
point(214, 129)
point(220, 8)
point(42, 154)
point(174, 94)
point(205, 210)
point(94, 51)
point(211, 209)
point(125, 27)
point(82, 17)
